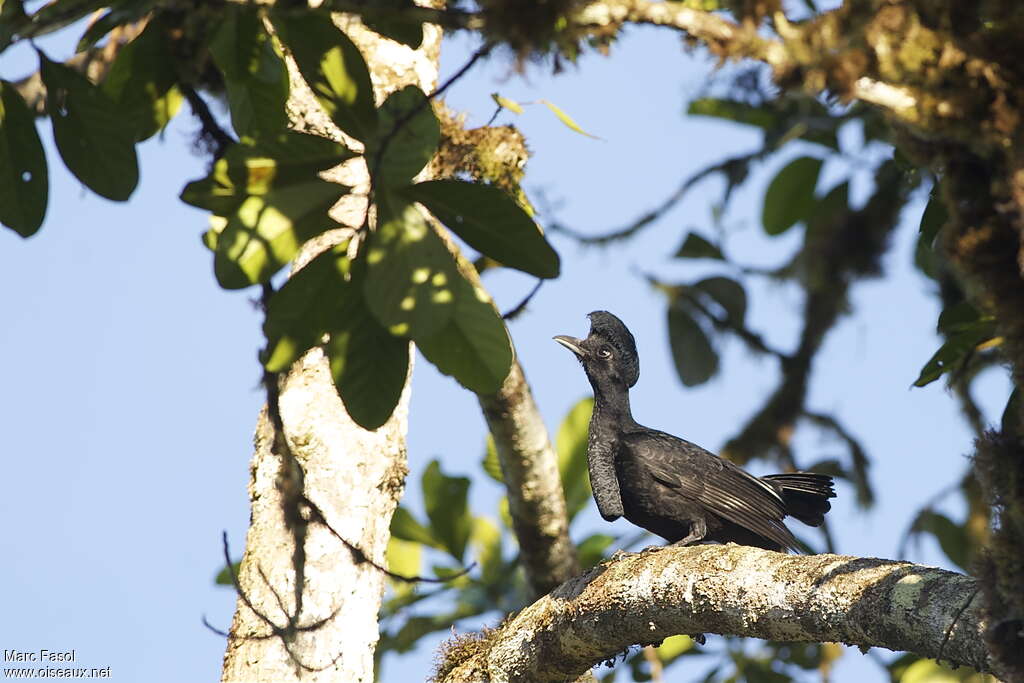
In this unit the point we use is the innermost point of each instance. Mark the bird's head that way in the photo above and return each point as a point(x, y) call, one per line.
point(609, 351)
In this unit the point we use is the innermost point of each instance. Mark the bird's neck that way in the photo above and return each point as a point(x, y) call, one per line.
point(611, 407)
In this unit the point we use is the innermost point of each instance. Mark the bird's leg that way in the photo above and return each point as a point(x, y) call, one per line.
point(698, 530)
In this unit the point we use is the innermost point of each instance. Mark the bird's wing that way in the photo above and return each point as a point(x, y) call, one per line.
point(717, 484)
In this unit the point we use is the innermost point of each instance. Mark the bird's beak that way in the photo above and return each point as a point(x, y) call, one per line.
point(571, 343)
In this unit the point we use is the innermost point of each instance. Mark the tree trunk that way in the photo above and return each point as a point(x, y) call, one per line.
point(355, 477)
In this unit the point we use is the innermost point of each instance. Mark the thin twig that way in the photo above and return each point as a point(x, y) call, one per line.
point(521, 306)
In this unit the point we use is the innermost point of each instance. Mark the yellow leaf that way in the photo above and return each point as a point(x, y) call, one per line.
point(506, 103)
point(564, 118)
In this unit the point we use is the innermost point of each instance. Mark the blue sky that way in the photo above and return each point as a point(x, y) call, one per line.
point(131, 380)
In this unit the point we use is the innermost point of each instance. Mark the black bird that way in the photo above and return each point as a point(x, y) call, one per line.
point(672, 487)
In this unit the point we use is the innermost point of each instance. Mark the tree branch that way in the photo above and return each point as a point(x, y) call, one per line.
point(529, 466)
point(732, 590)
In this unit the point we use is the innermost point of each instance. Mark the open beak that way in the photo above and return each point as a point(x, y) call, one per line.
point(571, 343)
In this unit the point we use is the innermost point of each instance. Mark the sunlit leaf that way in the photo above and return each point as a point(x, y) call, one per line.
point(445, 500)
point(566, 119)
point(255, 168)
point(94, 138)
point(506, 103)
point(474, 346)
point(404, 558)
point(486, 539)
point(333, 67)
point(695, 359)
point(489, 221)
point(411, 277)
point(266, 231)
point(790, 196)
point(571, 445)
point(695, 246)
point(254, 72)
point(23, 174)
point(490, 463)
point(404, 526)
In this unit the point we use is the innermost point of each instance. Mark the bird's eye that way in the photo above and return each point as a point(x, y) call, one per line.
point(604, 352)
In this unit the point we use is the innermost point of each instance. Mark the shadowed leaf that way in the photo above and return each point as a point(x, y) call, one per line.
point(696, 361)
point(489, 221)
point(94, 138)
point(790, 196)
point(24, 183)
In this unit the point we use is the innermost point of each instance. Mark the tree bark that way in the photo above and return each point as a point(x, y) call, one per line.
point(355, 477)
point(529, 466)
point(731, 590)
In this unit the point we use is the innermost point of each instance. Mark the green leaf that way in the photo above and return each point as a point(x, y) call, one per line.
point(474, 346)
point(955, 350)
point(369, 366)
point(385, 18)
point(254, 73)
point(490, 463)
point(591, 550)
point(695, 246)
point(306, 307)
point(445, 500)
point(12, 20)
point(24, 182)
point(674, 647)
point(571, 445)
point(506, 103)
point(1009, 424)
point(790, 196)
point(410, 278)
point(223, 577)
point(267, 230)
point(696, 361)
point(94, 139)
point(935, 216)
point(952, 537)
point(959, 317)
point(405, 527)
point(411, 145)
point(830, 208)
point(930, 671)
point(333, 67)
point(732, 110)
point(486, 539)
point(728, 294)
point(566, 119)
point(256, 168)
point(404, 558)
point(121, 12)
point(141, 81)
point(489, 221)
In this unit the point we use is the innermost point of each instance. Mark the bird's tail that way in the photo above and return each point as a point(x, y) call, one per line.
point(805, 494)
